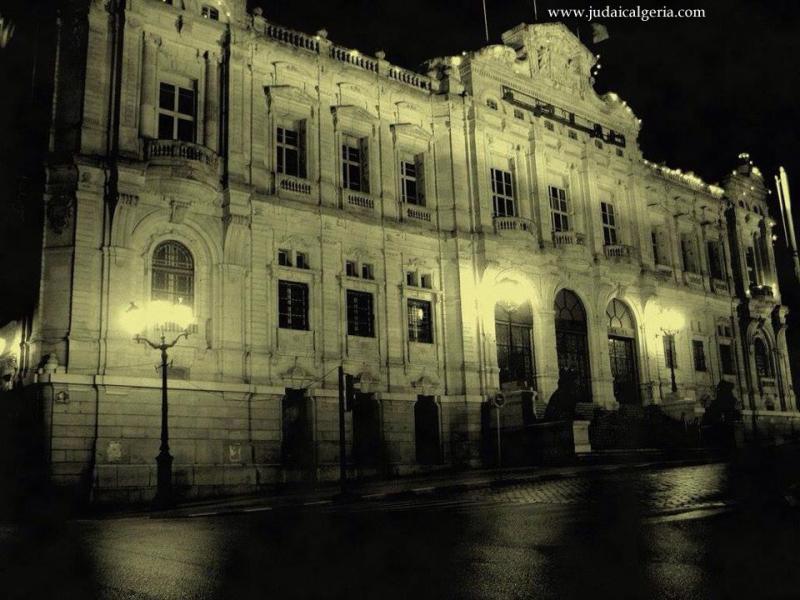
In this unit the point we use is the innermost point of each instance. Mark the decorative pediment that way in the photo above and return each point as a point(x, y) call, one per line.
point(288, 99)
point(425, 384)
point(411, 136)
point(354, 118)
point(296, 373)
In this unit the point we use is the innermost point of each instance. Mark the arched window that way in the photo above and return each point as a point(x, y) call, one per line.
point(763, 363)
point(619, 317)
point(173, 273)
point(572, 345)
point(513, 327)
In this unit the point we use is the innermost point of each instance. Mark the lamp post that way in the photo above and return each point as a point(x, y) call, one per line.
point(670, 323)
point(160, 314)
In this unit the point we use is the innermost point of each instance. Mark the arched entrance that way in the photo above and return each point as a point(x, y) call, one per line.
point(426, 431)
point(572, 345)
point(513, 326)
point(622, 352)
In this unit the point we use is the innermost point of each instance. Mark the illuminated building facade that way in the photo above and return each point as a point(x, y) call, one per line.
point(483, 227)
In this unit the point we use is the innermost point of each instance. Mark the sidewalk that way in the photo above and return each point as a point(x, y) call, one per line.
point(428, 484)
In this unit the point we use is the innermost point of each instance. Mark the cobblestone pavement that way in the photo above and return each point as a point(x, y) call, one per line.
point(661, 490)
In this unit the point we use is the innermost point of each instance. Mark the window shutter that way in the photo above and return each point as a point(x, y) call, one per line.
point(419, 160)
point(363, 144)
point(301, 149)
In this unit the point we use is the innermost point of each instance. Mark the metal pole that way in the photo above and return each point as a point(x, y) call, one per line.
point(499, 450)
point(342, 445)
point(163, 497)
point(485, 21)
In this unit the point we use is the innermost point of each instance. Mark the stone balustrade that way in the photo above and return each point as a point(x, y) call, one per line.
point(504, 225)
point(568, 238)
point(182, 151)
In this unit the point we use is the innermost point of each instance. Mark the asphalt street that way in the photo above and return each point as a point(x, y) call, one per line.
point(706, 531)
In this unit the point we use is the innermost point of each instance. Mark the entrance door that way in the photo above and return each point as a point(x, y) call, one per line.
point(426, 428)
point(623, 369)
point(297, 445)
point(367, 446)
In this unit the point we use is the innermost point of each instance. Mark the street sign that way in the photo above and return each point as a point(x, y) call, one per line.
point(499, 400)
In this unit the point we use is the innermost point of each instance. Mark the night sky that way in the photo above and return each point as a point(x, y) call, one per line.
point(706, 89)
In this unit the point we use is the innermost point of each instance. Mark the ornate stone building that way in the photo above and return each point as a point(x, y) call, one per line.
point(482, 227)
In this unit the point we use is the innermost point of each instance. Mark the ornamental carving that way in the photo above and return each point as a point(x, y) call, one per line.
point(59, 211)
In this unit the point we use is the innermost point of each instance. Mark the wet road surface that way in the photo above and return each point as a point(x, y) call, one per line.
point(690, 532)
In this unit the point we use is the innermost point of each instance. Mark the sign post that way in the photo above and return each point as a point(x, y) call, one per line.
point(498, 402)
point(342, 441)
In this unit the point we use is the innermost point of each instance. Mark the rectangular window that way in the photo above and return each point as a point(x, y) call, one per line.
point(425, 281)
point(351, 268)
point(420, 328)
point(412, 188)
point(573, 135)
point(291, 151)
point(669, 352)
point(176, 112)
point(502, 194)
point(715, 259)
point(688, 254)
point(609, 224)
point(518, 114)
point(411, 278)
point(302, 261)
point(360, 317)
point(209, 12)
point(355, 169)
point(292, 305)
point(750, 260)
point(654, 241)
point(699, 355)
point(559, 209)
point(726, 359)
point(367, 272)
point(284, 258)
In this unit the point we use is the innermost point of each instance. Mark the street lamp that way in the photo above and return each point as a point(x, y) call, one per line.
point(671, 322)
point(159, 315)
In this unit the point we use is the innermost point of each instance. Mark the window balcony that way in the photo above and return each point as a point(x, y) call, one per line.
point(168, 151)
point(183, 159)
point(720, 286)
point(663, 271)
point(514, 226)
point(295, 186)
point(416, 214)
point(619, 252)
point(564, 239)
point(693, 279)
point(358, 201)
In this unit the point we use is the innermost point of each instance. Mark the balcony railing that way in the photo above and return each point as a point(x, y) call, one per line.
point(693, 279)
point(720, 286)
point(618, 251)
point(359, 200)
point(183, 151)
point(417, 213)
point(294, 185)
point(663, 271)
point(568, 238)
point(513, 224)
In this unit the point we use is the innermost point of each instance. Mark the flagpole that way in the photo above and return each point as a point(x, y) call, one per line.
point(535, 11)
point(485, 21)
